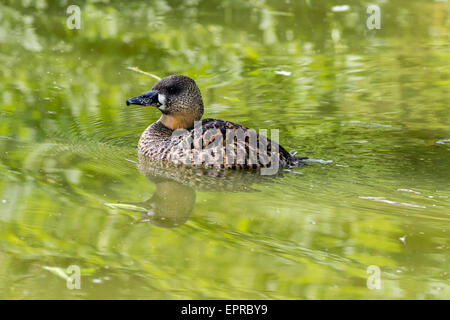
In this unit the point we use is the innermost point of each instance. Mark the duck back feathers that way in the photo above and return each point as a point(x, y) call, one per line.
point(214, 143)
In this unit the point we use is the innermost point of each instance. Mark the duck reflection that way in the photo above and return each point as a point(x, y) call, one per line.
point(170, 206)
point(174, 199)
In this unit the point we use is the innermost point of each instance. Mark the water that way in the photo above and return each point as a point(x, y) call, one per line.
point(370, 105)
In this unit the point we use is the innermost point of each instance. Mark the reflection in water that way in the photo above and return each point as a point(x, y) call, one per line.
point(203, 179)
point(174, 199)
point(170, 206)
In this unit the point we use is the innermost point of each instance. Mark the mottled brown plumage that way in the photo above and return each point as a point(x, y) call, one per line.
point(180, 137)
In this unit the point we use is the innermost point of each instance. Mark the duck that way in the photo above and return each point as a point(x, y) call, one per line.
point(181, 136)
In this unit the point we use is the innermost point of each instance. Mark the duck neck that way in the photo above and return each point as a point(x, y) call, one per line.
point(178, 121)
point(156, 132)
point(163, 129)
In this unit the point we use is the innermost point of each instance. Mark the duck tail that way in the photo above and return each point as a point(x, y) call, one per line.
point(297, 161)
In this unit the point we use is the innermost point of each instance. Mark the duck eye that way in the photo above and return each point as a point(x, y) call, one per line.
point(172, 90)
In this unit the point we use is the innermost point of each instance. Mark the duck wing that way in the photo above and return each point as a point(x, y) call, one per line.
point(224, 144)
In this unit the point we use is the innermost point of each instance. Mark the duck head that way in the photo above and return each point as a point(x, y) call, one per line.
point(178, 98)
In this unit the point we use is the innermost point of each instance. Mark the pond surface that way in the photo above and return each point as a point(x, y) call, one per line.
point(372, 105)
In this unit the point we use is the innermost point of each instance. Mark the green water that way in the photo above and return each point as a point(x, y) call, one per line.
point(372, 104)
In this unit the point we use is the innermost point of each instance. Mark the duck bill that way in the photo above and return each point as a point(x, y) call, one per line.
point(147, 99)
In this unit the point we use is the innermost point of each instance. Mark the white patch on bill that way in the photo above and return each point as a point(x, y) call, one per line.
point(161, 98)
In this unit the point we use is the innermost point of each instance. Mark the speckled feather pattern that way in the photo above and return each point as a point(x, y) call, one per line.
point(158, 143)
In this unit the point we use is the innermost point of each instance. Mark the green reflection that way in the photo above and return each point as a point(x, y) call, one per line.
point(374, 102)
